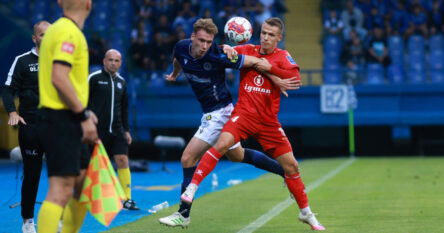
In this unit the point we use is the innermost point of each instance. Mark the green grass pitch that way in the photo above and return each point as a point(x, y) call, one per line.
point(374, 195)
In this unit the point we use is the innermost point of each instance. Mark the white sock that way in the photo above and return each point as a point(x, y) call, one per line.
point(306, 210)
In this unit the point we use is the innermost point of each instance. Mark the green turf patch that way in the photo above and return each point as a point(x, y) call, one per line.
point(371, 195)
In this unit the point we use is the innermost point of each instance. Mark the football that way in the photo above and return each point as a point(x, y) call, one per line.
point(238, 30)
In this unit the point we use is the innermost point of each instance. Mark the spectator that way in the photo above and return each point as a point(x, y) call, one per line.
point(141, 30)
point(436, 18)
point(353, 20)
point(417, 22)
point(146, 11)
point(160, 51)
point(365, 6)
point(398, 19)
point(375, 19)
point(165, 30)
point(97, 48)
point(139, 53)
point(333, 25)
point(353, 57)
point(377, 49)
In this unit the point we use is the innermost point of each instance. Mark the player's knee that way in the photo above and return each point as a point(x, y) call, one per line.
point(235, 155)
point(188, 159)
point(291, 168)
point(121, 161)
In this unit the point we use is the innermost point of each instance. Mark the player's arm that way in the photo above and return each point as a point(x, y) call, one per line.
point(124, 115)
point(12, 86)
point(176, 71)
point(61, 82)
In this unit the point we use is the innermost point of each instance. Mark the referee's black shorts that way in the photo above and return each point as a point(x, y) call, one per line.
point(115, 143)
point(60, 135)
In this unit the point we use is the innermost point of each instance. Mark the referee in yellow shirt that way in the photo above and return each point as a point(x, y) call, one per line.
point(65, 123)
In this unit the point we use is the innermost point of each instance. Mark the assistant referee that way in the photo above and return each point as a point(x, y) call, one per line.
point(65, 123)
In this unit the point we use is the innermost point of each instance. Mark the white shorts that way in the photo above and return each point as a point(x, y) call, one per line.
point(212, 123)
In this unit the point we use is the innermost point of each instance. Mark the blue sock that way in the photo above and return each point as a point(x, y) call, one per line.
point(185, 208)
point(262, 161)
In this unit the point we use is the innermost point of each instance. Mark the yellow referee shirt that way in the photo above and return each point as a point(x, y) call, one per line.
point(63, 42)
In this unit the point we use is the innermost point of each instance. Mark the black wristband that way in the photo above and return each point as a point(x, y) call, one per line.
point(83, 115)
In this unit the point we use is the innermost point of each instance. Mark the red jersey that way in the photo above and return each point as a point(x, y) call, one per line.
point(258, 96)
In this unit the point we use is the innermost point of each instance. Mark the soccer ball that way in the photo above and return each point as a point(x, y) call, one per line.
point(238, 30)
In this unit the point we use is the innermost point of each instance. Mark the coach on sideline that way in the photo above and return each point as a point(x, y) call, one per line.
point(23, 81)
point(65, 123)
point(109, 100)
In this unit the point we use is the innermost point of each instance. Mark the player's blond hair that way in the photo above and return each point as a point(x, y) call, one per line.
point(205, 24)
point(276, 22)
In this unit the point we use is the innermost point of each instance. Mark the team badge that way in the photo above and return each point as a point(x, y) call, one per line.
point(258, 80)
point(119, 85)
point(207, 66)
point(208, 118)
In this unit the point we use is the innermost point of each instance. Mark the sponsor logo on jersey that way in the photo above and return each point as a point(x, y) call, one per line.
point(249, 88)
point(258, 80)
point(68, 47)
point(207, 66)
point(291, 60)
point(197, 79)
point(31, 152)
point(103, 82)
point(119, 85)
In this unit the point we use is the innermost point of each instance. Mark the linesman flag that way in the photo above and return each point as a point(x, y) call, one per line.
point(102, 193)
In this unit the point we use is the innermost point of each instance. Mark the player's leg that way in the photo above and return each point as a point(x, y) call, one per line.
point(275, 142)
point(192, 153)
point(297, 188)
point(207, 164)
point(32, 166)
point(255, 158)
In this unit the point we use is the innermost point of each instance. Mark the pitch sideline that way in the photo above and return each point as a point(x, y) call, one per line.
point(277, 209)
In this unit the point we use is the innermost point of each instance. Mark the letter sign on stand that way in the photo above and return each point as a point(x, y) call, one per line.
point(334, 99)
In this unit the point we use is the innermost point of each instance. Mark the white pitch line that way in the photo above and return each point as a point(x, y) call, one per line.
point(277, 209)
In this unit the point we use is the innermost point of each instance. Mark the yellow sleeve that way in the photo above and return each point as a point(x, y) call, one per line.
point(65, 47)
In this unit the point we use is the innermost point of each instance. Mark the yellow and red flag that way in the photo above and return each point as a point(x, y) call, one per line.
point(102, 193)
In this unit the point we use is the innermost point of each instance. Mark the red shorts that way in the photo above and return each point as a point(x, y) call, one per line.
point(271, 136)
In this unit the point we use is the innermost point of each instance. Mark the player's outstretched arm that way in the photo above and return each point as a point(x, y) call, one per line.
point(293, 83)
point(176, 71)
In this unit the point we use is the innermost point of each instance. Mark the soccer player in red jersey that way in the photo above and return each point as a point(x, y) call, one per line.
point(255, 115)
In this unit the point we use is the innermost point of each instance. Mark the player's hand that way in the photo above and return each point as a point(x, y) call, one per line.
point(289, 84)
point(89, 130)
point(14, 119)
point(171, 77)
point(128, 137)
point(263, 65)
point(229, 51)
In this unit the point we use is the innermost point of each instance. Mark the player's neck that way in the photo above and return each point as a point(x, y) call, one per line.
point(78, 19)
point(264, 51)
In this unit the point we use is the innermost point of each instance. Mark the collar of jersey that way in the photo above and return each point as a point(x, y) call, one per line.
point(34, 51)
point(64, 16)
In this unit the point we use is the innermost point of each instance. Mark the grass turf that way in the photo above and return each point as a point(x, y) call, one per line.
point(371, 195)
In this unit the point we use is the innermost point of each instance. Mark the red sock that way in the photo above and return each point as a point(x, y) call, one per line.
point(206, 165)
point(297, 188)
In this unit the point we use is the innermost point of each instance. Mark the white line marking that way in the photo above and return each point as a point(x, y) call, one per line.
point(277, 209)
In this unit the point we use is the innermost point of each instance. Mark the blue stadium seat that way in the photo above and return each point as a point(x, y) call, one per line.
point(397, 56)
point(436, 42)
point(416, 45)
point(395, 74)
point(41, 11)
point(396, 43)
point(437, 76)
point(331, 57)
point(332, 43)
point(375, 73)
point(332, 73)
point(416, 77)
point(22, 7)
point(436, 60)
point(415, 62)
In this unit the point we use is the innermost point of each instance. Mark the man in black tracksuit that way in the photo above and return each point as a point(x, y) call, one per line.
point(109, 100)
point(23, 81)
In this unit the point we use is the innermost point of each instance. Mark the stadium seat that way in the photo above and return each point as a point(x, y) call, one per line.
point(331, 57)
point(397, 56)
point(437, 76)
point(436, 60)
point(375, 73)
point(415, 76)
point(396, 43)
point(416, 44)
point(436, 43)
point(22, 7)
point(395, 74)
point(415, 62)
point(332, 43)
